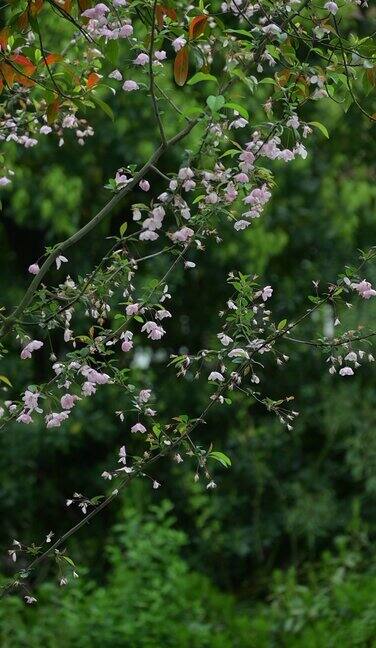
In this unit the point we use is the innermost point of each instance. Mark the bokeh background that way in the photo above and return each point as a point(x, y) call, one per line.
point(282, 552)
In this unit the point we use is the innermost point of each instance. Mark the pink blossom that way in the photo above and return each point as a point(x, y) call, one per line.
point(241, 177)
point(68, 401)
point(224, 339)
point(178, 43)
point(160, 55)
point(332, 7)
point(45, 130)
point(122, 455)
point(364, 289)
point(125, 31)
point(144, 395)
point(129, 86)
point(162, 314)
point(185, 173)
point(266, 293)
point(138, 427)
point(154, 331)
point(241, 225)
point(182, 235)
point(4, 181)
point(59, 260)
point(216, 376)
point(25, 418)
point(346, 371)
point(34, 345)
point(148, 236)
point(56, 418)
point(238, 353)
point(141, 59)
point(212, 198)
point(116, 74)
point(126, 346)
point(144, 185)
point(31, 400)
point(88, 388)
point(132, 309)
point(96, 12)
point(34, 268)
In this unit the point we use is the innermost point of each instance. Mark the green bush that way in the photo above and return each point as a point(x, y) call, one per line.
point(150, 599)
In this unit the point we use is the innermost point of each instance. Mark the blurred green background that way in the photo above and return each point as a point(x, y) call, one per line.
point(282, 553)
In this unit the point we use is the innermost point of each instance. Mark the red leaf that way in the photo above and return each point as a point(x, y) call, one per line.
point(197, 26)
point(27, 65)
point(181, 66)
point(92, 79)
point(161, 12)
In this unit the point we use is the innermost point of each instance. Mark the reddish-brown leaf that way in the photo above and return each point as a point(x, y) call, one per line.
point(84, 4)
point(92, 79)
point(4, 35)
point(52, 110)
point(197, 26)
point(161, 11)
point(8, 74)
point(181, 66)
point(23, 20)
point(52, 58)
point(35, 6)
point(27, 65)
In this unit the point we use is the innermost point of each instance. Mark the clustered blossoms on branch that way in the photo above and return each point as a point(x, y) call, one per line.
point(278, 56)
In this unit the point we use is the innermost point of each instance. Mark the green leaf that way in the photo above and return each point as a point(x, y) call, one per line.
point(320, 127)
point(234, 106)
point(221, 458)
point(215, 103)
point(282, 324)
point(123, 228)
point(201, 76)
point(6, 380)
point(105, 107)
point(112, 51)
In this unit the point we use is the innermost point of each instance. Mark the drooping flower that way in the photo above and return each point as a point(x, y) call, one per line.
point(34, 268)
point(68, 401)
point(132, 309)
point(122, 455)
point(346, 371)
point(97, 12)
point(138, 427)
point(332, 7)
point(141, 59)
point(178, 43)
point(364, 289)
point(34, 345)
point(130, 86)
point(144, 185)
point(266, 293)
point(116, 74)
point(215, 376)
point(59, 260)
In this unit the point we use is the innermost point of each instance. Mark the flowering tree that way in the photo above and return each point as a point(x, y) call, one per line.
point(279, 55)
